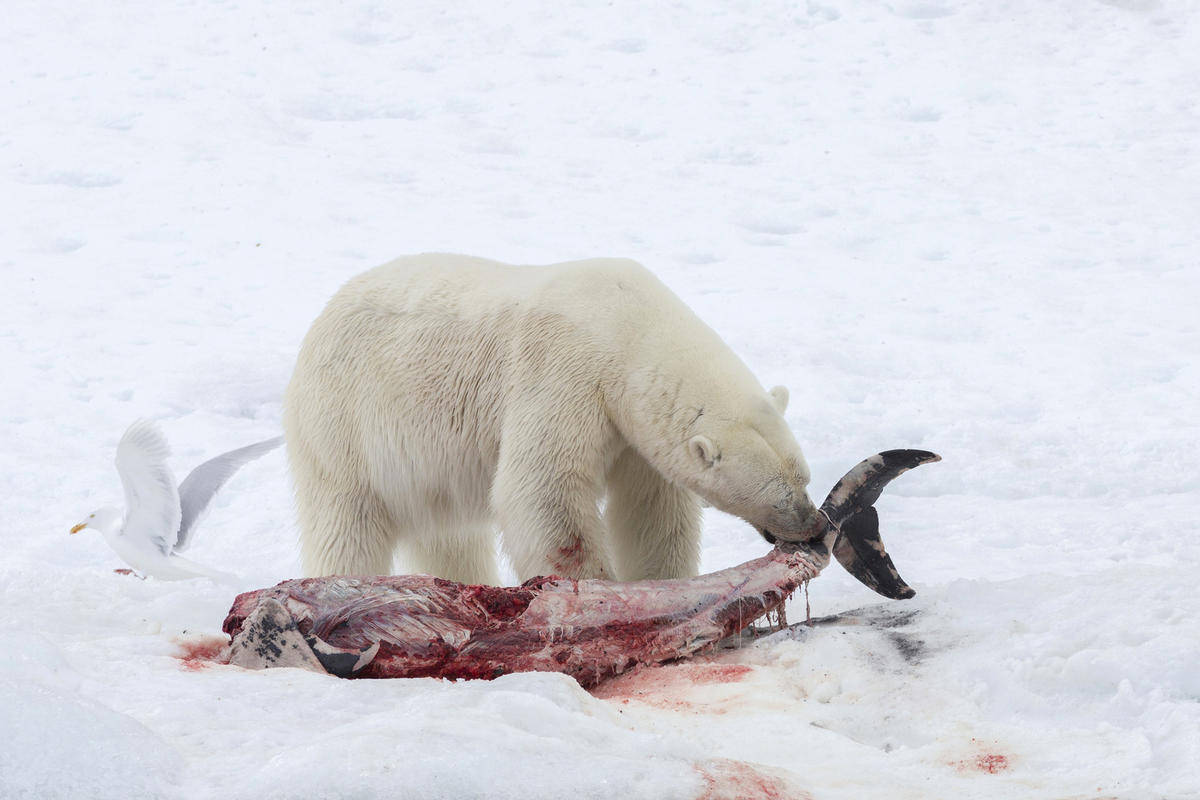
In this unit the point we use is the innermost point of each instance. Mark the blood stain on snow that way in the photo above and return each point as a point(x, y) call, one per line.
point(201, 652)
point(718, 673)
point(984, 761)
point(991, 763)
point(666, 685)
point(727, 779)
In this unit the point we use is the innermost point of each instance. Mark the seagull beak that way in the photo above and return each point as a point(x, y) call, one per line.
point(79, 527)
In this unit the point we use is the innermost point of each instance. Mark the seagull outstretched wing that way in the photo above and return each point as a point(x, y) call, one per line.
point(202, 484)
point(151, 498)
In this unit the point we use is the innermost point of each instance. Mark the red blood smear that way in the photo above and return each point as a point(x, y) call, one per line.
point(725, 779)
point(667, 686)
point(721, 673)
point(569, 558)
point(201, 652)
point(992, 763)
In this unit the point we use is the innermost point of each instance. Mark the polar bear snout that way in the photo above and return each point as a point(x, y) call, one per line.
point(798, 523)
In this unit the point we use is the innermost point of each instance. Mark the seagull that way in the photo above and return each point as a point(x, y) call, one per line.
point(160, 520)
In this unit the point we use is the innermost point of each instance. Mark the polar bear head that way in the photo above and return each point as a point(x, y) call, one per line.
point(748, 464)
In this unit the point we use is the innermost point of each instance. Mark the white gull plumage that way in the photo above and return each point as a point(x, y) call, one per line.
point(160, 520)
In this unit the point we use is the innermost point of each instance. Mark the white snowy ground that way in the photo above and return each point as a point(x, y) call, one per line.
point(964, 226)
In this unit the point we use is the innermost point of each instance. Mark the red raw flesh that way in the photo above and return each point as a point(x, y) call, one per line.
point(589, 629)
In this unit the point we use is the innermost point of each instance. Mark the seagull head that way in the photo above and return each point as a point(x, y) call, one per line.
point(106, 520)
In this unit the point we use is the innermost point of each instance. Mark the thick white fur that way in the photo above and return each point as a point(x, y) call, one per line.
point(439, 397)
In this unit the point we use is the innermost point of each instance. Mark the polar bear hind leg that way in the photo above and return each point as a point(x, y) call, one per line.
point(654, 525)
point(343, 531)
point(459, 551)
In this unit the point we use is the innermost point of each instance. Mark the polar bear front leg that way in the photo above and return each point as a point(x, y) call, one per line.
point(546, 497)
point(654, 524)
point(550, 525)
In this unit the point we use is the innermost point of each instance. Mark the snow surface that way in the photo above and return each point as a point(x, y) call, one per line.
point(969, 227)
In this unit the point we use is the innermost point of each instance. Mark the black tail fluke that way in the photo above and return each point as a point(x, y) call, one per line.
point(850, 508)
point(859, 549)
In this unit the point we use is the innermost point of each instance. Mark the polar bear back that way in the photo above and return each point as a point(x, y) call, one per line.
point(610, 312)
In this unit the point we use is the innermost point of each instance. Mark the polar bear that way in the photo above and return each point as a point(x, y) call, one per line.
point(581, 408)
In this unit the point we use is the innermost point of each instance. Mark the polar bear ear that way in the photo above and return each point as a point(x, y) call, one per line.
point(779, 396)
point(705, 451)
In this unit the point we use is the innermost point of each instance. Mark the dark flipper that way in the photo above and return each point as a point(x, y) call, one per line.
point(341, 661)
point(850, 507)
point(860, 550)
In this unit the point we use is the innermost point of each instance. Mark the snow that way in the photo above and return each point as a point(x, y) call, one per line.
point(961, 226)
